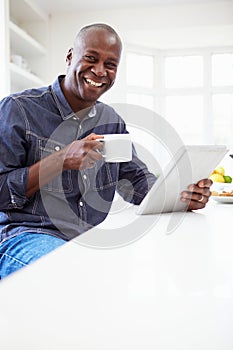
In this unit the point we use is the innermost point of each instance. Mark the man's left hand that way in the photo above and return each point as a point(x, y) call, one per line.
point(197, 195)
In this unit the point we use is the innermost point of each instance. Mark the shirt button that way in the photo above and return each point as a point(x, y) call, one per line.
point(84, 176)
point(81, 204)
point(57, 148)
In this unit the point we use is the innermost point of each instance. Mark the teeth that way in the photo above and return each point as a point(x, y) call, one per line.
point(93, 83)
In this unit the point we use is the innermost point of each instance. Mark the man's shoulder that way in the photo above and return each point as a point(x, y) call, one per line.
point(30, 93)
point(26, 99)
point(104, 106)
point(108, 111)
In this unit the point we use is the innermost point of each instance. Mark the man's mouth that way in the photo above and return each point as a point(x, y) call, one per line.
point(93, 83)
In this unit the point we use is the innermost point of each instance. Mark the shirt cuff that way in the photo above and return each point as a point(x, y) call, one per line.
point(17, 183)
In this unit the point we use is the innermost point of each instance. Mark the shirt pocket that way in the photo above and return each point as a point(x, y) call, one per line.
point(62, 183)
point(105, 176)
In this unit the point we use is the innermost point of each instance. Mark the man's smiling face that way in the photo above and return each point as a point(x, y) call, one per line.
point(92, 66)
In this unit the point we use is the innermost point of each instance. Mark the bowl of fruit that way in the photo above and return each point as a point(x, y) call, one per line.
point(221, 180)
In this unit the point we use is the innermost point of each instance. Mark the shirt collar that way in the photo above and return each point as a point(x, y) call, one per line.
point(61, 102)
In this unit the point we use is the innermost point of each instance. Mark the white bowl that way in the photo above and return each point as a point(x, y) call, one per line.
point(221, 186)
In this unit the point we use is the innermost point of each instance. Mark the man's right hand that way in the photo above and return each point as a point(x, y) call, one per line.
point(82, 154)
point(79, 155)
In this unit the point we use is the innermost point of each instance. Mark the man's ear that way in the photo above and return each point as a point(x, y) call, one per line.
point(69, 56)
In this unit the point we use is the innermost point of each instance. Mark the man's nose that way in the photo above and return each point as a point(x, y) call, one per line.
point(99, 70)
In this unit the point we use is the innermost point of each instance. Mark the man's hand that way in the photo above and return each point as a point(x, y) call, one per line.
point(197, 195)
point(82, 154)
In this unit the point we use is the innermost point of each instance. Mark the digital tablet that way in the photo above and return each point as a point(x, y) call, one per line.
point(189, 165)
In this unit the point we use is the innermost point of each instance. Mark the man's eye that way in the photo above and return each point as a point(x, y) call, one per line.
point(111, 65)
point(90, 58)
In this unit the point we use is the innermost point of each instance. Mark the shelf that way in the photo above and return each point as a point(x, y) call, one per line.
point(22, 43)
point(25, 26)
point(26, 11)
point(24, 79)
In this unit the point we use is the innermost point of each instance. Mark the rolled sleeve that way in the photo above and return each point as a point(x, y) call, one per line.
point(134, 180)
point(17, 182)
point(13, 170)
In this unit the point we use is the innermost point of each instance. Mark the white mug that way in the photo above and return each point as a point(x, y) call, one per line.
point(117, 148)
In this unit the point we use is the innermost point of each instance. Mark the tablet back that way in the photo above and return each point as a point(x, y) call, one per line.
point(189, 165)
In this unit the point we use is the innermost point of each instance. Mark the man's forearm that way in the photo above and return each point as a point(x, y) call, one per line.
point(44, 171)
point(80, 154)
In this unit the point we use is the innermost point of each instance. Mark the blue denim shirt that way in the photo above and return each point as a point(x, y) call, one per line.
point(37, 122)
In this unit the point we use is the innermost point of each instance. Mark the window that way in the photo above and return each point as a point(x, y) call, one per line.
point(143, 100)
point(140, 70)
point(223, 117)
point(185, 114)
point(192, 89)
point(140, 80)
point(222, 98)
point(183, 71)
point(222, 69)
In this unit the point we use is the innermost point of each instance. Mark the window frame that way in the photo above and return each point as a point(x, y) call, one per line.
point(160, 92)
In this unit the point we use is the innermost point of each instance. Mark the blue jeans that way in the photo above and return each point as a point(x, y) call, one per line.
point(25, 248)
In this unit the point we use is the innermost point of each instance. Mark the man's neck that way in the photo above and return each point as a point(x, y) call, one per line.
point(79, 107)
point(83, 112)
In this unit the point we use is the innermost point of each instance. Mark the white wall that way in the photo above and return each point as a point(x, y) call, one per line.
point(5, 50)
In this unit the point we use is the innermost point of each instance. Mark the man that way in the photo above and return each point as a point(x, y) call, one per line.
point(54, 184)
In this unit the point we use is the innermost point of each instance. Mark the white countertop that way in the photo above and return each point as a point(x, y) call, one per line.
point(164, 291)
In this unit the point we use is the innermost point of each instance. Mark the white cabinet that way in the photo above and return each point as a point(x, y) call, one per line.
point(25, 42)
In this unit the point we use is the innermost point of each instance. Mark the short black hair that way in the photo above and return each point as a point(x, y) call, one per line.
point(103, 26)
point(99, 26)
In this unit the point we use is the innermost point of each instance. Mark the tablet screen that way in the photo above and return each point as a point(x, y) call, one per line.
point(189, 165)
